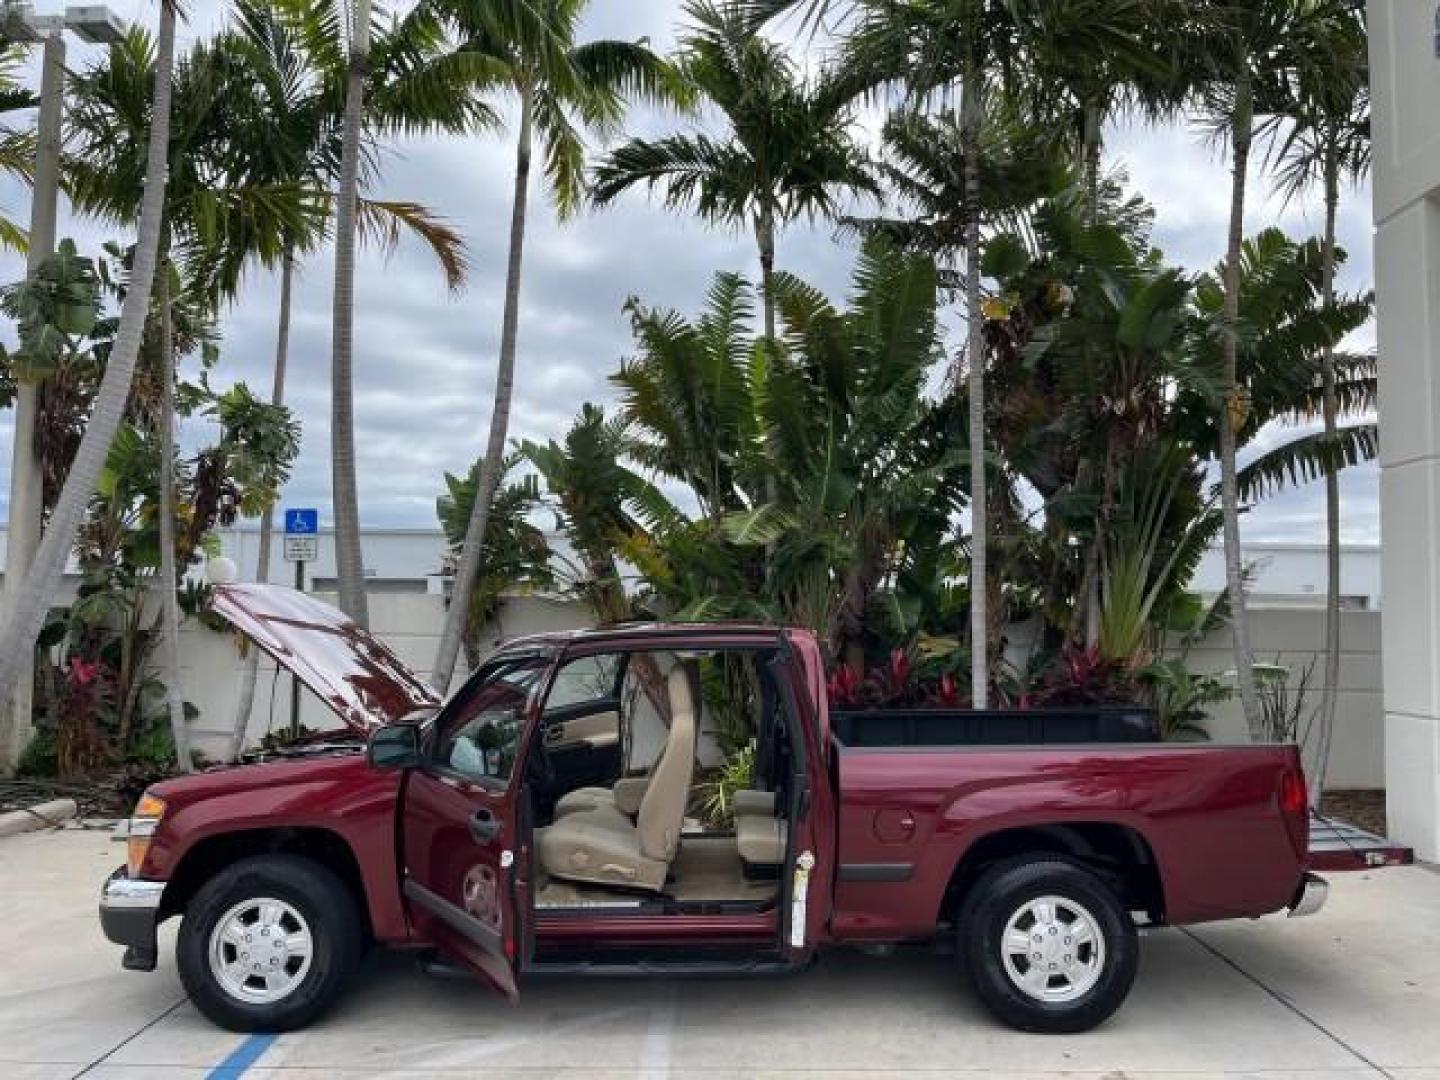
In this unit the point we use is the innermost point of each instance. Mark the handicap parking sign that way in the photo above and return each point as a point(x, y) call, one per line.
point(302, 522)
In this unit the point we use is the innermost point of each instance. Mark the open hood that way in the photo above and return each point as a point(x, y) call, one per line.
point(349, 669)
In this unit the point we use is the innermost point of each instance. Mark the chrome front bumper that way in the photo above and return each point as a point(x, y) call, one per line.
point(129, 914)
point(1310, 897)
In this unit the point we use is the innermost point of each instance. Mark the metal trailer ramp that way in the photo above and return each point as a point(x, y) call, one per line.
point(1338, 846)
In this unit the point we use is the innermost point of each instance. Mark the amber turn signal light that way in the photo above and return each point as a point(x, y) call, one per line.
point(143, 822)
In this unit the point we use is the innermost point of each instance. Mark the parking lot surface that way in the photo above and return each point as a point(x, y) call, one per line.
point(1353, 992)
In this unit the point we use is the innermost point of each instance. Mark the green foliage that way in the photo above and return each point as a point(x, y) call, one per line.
point(1283, 702)
point(97, 694)
point(531, 48)
point(515, 555)
point(787, 152)
point(717, 794)
point(1148, 537)
point(1181, 698)
point(55, 311)
point(602, 506)
point(823, 474)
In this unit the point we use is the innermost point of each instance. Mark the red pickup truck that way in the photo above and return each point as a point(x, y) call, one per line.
point(542, 821)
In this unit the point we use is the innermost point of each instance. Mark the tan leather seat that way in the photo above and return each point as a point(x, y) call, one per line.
point(760, 836)
point(601, 847)
point(625, 798)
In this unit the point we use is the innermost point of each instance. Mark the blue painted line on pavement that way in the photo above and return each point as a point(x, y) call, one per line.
point(242, 1057)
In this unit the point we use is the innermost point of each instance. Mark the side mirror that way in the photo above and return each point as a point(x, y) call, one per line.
point(394, 746)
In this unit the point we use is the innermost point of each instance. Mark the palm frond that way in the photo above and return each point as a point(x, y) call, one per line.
point(1307, 458)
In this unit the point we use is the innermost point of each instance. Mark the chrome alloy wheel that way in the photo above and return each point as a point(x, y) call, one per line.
point(260, 950)
point(1053, 949)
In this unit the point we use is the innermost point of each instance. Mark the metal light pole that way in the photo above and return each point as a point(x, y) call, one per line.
point(91, 23)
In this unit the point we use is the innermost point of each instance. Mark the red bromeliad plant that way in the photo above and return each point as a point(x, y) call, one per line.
point(86, 693)
point(1080, 676)
point(1077, 676)
point(896, 684)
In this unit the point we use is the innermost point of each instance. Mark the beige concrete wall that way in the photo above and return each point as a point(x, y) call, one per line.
point(409, 624)
point(1292, 638)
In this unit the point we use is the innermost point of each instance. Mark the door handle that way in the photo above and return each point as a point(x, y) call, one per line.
point(554, 735)
point(484, 826)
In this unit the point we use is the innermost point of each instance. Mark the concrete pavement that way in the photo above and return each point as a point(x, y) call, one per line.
point(1351, 994)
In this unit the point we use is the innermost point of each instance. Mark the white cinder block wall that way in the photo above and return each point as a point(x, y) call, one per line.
point(409, 623)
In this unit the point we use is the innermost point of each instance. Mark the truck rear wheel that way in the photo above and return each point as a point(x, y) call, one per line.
point(267, 944)
point(1047, 945)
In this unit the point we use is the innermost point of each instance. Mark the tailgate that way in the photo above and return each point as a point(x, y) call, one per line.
point(1337, 845)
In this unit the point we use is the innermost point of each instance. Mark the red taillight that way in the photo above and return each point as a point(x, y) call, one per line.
point(1293, 797)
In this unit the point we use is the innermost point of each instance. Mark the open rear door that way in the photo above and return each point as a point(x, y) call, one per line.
point(809, 872)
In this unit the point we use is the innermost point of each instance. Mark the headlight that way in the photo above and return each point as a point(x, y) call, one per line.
point(144, 820)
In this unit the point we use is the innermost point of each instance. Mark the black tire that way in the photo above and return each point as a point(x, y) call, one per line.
point(1006, 889)
point(317, 895)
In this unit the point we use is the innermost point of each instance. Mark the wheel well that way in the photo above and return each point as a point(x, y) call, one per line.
point(214, 853)
point(1116, 852)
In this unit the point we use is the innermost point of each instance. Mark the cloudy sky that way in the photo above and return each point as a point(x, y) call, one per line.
point(425, 359)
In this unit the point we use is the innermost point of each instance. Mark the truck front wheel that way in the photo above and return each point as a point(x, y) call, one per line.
point(1047, 945)
point(267, 944)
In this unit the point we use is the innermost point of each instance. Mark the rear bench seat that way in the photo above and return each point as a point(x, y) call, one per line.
point(760, 836)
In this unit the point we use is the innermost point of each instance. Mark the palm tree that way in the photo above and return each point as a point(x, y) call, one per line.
point(788, 153)
point(288, 130)
point(205, 197)
point(516, 558)
point(17, 145)
point(349, 562)
point(592, 491)
point(561, 87)
point(1093, 59)
point(1237, 53)
point(25, 616)
point(932, 49)
point(1328, 144)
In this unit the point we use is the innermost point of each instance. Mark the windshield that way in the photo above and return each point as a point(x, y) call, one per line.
point(478, 733)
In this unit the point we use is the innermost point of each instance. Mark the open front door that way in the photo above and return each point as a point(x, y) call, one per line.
point(465, 839)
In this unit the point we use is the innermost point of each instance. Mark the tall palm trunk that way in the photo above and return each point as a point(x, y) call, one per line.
point(971, 114)
point(349, 562)
point(1090, 162)
point(1089, 594)
point(491, 468)
point(1232, 409)
point(1329, 407)
point(25, 616)
point(169, 604)
point(245, 700)
point(765, 241)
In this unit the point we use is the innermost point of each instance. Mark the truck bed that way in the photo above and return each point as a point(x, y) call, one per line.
point(1206, 816)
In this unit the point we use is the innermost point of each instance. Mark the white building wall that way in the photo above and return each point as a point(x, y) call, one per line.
point(1405, 65)
point(1293, 575)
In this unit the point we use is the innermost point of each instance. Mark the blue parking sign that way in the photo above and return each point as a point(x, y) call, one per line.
point(302, 522)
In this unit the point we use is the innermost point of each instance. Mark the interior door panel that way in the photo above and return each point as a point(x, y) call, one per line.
point(582, 744)
point(460, 867)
